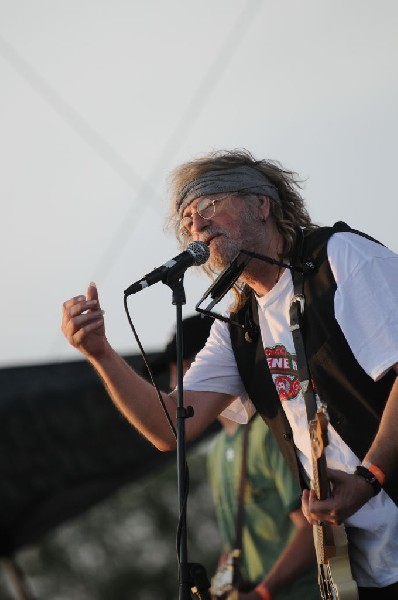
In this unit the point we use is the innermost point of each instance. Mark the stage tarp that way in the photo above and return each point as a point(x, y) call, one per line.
point(63, 447)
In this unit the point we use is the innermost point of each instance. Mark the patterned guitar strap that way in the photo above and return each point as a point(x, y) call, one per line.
point(327, 586)
point(296, 312)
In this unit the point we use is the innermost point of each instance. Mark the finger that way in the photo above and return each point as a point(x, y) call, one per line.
point(78, 337)
point(82, 307)
point(312, 500)
point(75, 300)
point(92, 296)
point(66, 308)
point(304, 502)
point(322, 510)
point(83, 302)
point(306, 494)
point(92, 292)
point(309, 496)
point(320, 507)
point(81, 320)
point(74, 324)
point(72, 309)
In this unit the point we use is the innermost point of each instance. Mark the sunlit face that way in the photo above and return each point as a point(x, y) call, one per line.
point(234, 224)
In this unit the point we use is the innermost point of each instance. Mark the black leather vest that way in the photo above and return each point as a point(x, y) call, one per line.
point(355, 402)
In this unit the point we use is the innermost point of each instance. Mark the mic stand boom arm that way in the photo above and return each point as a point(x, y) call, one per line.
point(221, 285)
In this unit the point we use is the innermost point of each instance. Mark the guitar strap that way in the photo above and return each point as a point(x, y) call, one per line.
point(297, 307)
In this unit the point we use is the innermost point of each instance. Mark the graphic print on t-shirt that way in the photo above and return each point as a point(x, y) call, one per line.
point(283, 367)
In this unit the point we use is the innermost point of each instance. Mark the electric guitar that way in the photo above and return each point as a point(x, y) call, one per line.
point(227, 577)
point(331, 545)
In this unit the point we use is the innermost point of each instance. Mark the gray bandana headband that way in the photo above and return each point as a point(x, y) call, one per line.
point(243, 179)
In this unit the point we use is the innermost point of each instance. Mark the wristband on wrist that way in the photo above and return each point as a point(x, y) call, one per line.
point(377, 472)
point(262, 590)
point(364, 473)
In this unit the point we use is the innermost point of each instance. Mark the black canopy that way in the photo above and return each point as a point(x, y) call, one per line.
point(63, 447)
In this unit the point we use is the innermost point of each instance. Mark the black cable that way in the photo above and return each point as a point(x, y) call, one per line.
point(145, 358)
point(169, 420)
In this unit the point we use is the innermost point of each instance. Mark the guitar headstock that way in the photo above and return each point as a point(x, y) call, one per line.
point(319, 433)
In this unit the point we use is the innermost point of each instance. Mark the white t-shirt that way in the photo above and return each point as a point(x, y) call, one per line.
point(366, 274)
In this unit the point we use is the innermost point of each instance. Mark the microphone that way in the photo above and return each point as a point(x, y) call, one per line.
point(196, 253)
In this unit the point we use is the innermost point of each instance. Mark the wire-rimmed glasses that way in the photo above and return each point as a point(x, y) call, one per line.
point(205, 208)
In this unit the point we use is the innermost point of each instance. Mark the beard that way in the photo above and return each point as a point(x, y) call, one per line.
point(222, 252)
point(225, 247)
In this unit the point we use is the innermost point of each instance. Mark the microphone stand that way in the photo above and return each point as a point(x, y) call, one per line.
point(192, 576)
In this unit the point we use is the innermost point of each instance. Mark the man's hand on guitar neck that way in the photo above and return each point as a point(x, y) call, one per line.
point(349, 493)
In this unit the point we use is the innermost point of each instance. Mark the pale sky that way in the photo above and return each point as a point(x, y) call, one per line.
point(99, 100)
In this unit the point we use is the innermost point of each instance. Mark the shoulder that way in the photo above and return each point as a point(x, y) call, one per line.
point(346, 250)
point(340, 234)
point(350, 252)
point(360, 244)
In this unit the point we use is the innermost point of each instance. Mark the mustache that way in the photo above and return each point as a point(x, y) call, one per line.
point(210, 233)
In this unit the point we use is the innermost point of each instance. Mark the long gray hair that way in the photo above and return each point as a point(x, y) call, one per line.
point(289, 213)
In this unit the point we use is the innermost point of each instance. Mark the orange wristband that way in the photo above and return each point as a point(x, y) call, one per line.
point(262, 590)
point(375, 470)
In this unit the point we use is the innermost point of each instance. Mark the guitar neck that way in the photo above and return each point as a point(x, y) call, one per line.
point(334, 570)
point(320, 481)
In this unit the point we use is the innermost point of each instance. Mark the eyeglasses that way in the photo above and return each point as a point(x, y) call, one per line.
point(206, 209)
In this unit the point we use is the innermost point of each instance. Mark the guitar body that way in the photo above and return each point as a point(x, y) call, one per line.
point(334, 569)
point(227, 578)
point(331, 544)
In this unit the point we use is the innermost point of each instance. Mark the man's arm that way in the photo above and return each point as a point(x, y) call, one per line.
point(350, 492)
point(384, 449)
point(297, 557)
point(139, 403)
point(84, 328)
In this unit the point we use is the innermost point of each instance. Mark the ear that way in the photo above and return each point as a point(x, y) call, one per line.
point(264, 207)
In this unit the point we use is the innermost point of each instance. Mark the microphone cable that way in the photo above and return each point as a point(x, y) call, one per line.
point(146, 362)
point(169, 420)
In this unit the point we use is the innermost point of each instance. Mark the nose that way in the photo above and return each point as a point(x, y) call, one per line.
point(198, 224)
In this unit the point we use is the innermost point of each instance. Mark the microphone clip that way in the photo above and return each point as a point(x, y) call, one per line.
point(221, 286)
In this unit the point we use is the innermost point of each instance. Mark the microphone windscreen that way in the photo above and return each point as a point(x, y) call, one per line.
point(200, 252)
